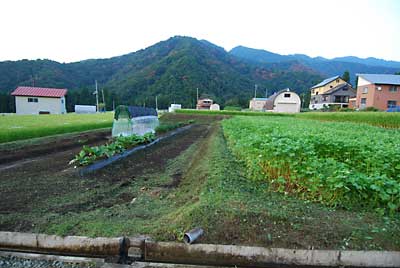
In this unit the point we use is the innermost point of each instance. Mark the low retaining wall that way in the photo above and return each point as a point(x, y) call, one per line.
point(74, 245)
point(227, 255)
point(140, 248)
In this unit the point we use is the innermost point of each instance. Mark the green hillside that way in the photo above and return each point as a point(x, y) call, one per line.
point(170, 70)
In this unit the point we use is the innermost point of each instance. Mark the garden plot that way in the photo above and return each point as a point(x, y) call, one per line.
point(191, 180)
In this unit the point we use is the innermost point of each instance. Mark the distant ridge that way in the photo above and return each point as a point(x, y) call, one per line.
point(325, 66)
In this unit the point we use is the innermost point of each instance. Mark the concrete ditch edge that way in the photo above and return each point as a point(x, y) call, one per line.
point(142, 249)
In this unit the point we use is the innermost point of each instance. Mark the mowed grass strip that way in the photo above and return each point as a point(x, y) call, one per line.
point(380, 119)
point(20, 127)
point(230, 112)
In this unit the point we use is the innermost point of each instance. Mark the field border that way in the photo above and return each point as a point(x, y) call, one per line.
point(143, 249)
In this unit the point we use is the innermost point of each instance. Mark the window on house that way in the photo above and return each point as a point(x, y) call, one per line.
point(363, 100)
point(337, 80)
point(391, 104)
point(324, 98)
point(393, 89)
point(345, 89)
point(378, 88)
point(365, 90)
point(316, 93)
point(33, 100)
point(287, 95)
point(330, 86)
point(62, 101)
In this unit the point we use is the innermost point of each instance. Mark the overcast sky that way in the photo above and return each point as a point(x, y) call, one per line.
point(73, 30)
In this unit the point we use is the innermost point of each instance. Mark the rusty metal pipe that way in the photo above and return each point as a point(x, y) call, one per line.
point(192, 235)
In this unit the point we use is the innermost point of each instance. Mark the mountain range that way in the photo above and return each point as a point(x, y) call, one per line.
point(174, 69)
point(326, 67)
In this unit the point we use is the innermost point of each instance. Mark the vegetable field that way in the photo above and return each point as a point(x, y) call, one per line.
point(380, 119)
point(19, 127)
point(338, 164)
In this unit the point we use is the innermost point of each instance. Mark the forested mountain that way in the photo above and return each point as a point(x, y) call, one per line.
point(326, 67)
point(170, 70)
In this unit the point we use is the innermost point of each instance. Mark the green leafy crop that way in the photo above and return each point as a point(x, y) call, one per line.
point(338, 164)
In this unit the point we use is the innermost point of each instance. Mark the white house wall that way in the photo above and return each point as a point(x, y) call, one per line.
point(287, 105)
point(52, 105)
point(362, 82)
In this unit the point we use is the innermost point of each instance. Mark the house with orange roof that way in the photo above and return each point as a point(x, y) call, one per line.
point(38, 100)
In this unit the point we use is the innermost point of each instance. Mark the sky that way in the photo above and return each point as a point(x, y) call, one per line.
point(74, 30)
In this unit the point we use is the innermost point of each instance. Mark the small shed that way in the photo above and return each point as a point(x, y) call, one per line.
point(214, 107)
point(85, 109)
point(284, 101)
point(174, 107)
point(39, 100)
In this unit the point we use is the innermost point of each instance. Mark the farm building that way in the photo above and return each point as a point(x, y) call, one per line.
point(204, 104)
point(258, 104)
point(37, 100)
point(331, 91)
point(174, 107)
point(381, 91)
point(214, 107)
point(284, 101)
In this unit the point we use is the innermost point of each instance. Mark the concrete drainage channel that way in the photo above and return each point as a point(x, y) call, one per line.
point(143, 252)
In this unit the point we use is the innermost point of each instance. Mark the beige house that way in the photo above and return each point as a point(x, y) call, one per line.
point(331, 91)
point(36, 100)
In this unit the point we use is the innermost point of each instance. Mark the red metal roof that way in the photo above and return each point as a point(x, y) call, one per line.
point(40, 92)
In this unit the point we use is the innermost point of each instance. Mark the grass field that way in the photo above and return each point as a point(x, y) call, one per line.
point(20, 127)
point(229, 112)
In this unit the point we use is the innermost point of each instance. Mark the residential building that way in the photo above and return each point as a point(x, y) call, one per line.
point(37, 100)
point(204, 104)
point(331, 91)
point(381, 91)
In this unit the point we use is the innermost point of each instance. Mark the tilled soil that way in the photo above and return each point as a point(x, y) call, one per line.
point(28, 184)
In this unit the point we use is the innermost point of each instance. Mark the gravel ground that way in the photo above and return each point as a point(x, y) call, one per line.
point(16, 262)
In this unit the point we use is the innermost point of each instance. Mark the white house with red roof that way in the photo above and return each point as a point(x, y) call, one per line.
point(38, 100)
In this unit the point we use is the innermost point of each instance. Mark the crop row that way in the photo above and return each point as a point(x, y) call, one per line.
point(381, 119)
point(338, 164)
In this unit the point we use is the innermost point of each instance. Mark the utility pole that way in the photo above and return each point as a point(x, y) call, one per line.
point(104, 102)
point(197, 98)
point(255, 90)
point(97, 97)
point(156, 104)
point(266, 92)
